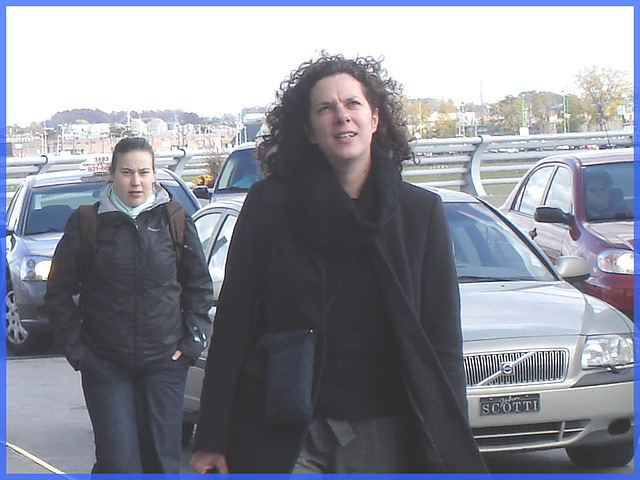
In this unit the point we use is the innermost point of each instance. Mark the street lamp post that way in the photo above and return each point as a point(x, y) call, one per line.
point(565, 113)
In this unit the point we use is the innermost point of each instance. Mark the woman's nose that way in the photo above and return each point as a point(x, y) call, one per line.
point(342, 115)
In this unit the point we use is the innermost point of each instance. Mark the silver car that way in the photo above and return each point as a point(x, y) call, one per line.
point(547, 366)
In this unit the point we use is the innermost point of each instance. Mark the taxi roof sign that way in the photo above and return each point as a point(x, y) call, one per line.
point(98, 163)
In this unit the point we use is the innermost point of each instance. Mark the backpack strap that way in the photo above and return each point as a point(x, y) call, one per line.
point(177, 219)
point(87, 226)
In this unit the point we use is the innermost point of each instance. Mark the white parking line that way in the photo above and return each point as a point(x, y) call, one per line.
point(35, 459)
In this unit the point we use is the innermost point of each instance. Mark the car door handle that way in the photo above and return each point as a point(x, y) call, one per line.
point(533, 233)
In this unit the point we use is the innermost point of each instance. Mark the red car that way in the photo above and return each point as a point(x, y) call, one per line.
point(580, 203)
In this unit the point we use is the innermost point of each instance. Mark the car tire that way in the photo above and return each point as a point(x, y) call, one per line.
point(606, 456)
point(187, 432)
point(19, 340)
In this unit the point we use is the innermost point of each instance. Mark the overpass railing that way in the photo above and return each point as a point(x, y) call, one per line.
point(482, 166)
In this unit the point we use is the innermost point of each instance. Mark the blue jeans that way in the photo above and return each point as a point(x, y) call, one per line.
point(136, 414)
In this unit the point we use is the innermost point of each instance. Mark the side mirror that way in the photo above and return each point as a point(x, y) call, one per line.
point(552, 215)
point(10, 239)
point(201, 192)
point(573, 269)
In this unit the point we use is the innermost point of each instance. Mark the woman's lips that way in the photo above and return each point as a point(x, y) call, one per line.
point(346, 135)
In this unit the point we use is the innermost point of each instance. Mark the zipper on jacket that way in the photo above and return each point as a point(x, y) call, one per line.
point(137, 357)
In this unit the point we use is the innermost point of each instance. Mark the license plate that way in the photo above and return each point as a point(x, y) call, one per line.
point(510, 404)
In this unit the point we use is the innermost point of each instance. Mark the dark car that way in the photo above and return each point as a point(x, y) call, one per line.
point(581, 203)
point(36, 217)
point(546, 365)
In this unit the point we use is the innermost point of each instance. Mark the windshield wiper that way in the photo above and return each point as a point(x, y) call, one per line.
point(478, 278)
point(51, 230)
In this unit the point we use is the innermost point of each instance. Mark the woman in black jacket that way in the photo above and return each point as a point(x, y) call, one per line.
point(142, 317)
point(335, 243)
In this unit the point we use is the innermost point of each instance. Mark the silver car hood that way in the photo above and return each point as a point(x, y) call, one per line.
point(532, 309)
point(42, 245)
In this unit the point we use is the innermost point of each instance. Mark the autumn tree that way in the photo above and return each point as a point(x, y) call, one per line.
point(506, 116)
point(417, 112)
point(546, 110)
point(602, 91)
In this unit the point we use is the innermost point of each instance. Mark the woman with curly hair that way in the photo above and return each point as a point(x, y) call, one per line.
point(334, 251)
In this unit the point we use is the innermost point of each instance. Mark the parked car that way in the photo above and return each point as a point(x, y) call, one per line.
point(581, 204)
point(36, 217)
point(239, 172)
point(547, 366)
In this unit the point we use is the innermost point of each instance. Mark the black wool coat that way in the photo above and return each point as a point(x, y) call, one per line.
point(275, 282)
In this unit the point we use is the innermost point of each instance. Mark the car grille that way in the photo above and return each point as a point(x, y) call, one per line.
point(534, 435)
point(515, 368)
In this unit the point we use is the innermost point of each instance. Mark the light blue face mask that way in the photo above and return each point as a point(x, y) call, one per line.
point(132, 212)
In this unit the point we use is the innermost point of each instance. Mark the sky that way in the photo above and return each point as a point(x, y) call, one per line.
point(213, 60)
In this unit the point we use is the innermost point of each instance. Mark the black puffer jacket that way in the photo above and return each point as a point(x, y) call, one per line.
point(137, 304)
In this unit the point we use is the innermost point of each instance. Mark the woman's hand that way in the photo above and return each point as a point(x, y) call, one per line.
point(209, 462)
point(176, 355)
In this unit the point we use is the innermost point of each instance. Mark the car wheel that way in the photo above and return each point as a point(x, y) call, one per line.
point(187, 432)
point(19, 341)
point(605, 456)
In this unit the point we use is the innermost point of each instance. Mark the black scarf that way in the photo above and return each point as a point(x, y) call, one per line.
point(324, 214)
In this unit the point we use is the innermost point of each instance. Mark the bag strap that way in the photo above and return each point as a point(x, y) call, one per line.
point(87, 226)
point(177, 218)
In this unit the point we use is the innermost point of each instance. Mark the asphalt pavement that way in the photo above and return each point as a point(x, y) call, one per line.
point(48, 429)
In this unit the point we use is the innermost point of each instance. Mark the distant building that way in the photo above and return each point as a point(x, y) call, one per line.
point(157, 126)
point(87, 129)
point(138, 127)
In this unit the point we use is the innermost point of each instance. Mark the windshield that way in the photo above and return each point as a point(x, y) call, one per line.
point(239, 172)
point(608, 192)
point(50, 207)
point(487, 250)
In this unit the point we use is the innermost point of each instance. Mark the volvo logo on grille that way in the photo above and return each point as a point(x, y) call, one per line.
point(506, 368)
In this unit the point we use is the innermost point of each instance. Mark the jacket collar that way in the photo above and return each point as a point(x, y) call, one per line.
point(325, 215)
point(106, 205)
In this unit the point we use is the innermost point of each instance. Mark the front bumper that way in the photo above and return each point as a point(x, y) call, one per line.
point(31, 309)
point(568, 416)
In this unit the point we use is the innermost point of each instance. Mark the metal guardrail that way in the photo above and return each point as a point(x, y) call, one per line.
point(468, 164)
point(471, 164)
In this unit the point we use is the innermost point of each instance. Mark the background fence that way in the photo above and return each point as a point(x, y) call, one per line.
point(481, 166)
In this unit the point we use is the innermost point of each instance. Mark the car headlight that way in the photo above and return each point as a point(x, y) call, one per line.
point(616, 261)
point(608, 351)
point(35, 269)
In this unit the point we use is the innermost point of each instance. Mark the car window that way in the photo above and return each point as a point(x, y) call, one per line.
point(487, 249)
point(50, 207)
point(205, 226)
point(15, 206)
point(219, 252)
point(560, 191)
point(608, 191)
point(531, 194)
point(240, 171)
point(177, 192)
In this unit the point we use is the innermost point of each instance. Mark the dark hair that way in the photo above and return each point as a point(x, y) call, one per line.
point(286, 143)
point(131, 144)
point(597, 175)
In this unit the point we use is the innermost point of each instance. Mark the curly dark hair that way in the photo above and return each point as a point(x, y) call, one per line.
point(287, 142)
